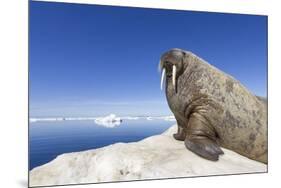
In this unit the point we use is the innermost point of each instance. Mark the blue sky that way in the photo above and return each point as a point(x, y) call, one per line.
point(89, 60)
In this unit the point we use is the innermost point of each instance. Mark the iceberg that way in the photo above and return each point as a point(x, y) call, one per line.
point(109, 121)
point(156, 157)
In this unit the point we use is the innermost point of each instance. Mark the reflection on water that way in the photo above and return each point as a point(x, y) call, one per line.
point(49, 139)
point(110, 124)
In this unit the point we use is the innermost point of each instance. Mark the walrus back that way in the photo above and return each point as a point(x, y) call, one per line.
point(242, 125)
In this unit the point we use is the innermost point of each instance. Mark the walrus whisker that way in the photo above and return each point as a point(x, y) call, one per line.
point(162, 78)
point(174, 76)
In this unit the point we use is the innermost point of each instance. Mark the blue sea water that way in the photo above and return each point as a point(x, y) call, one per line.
point(47, 140)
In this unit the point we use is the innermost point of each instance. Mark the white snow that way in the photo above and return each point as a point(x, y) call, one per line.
point(109, 121)
point(159, 156)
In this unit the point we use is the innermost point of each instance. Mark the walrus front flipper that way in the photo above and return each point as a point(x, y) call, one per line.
point(204, 147)
point(180, 135)
point(201, 139)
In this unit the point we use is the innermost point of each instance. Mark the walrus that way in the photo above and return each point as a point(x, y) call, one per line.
point(212, 109)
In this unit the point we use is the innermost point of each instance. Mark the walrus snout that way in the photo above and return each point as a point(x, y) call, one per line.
point(171, 65)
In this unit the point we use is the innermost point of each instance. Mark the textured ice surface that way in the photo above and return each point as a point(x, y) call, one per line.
point(159, 156)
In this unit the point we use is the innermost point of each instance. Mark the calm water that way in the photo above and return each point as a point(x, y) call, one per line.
point(50, 139)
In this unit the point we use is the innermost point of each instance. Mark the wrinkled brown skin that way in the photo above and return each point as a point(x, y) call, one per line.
point(212, 109)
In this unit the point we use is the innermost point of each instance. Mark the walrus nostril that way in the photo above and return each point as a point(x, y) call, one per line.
point(168, 63)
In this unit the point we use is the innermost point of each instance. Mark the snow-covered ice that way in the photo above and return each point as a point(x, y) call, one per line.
point(159, 156)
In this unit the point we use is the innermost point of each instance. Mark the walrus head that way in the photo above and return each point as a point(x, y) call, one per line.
point(172, 65)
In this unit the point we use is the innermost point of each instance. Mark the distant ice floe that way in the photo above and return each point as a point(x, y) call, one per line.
point(79, 118)
point(166, 118)
point(45, 119)
point(112, 118)
point(109, 121)
point(32, 120)
point(130, 117)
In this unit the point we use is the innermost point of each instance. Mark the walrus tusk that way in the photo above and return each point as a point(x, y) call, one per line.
point(174, 76)
point(162, 78)
point(159, 66)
